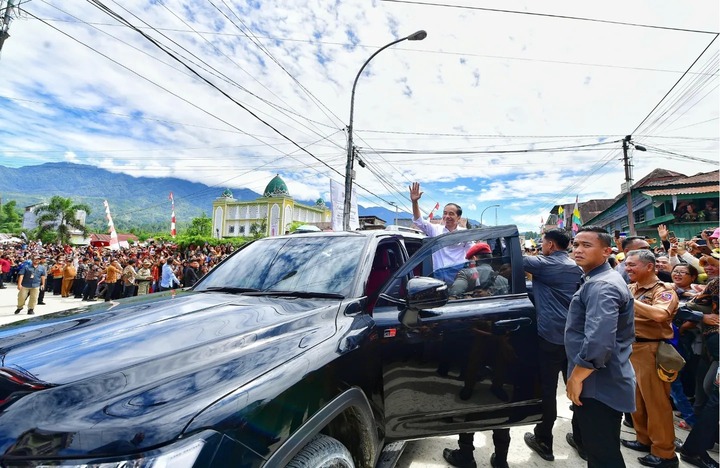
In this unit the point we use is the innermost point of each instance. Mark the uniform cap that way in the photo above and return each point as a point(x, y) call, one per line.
point(668, 362)
point(477, 249)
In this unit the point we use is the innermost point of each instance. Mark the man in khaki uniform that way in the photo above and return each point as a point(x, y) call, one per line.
point(655, 306)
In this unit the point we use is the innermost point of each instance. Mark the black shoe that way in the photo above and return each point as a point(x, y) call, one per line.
point(3, 287)
point(678, 444)
point(541, 448)
point(41, 303)
point(31, 312)
point(628, 423)
point(17, 311)
point(635, 445)
point(495, 463)
point(657, 462)
point(703, 460)
point(571, 442)
point(456, 458)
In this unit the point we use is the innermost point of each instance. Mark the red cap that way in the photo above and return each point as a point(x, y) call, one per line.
point(479, 248)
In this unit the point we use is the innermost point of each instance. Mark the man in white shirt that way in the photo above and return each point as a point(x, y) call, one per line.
point(448, 261)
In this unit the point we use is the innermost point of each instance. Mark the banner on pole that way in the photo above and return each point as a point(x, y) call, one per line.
point(173, 232)
point(337, 199)
point(114, 244)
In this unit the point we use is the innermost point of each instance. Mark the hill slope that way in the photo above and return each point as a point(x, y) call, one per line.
point(134, 201)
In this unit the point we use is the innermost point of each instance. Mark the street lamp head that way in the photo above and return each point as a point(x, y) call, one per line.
point(417, 36)
point(640, 148)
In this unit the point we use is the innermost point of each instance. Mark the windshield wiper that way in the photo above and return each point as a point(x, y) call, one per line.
point(228, 289)
point(302, 294)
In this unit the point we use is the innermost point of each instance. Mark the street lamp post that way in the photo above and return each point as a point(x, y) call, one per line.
point(483, 212)
point(416, 36)
point(396, 211)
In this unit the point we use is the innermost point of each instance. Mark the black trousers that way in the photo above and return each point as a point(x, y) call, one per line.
point(90, 289)
point(56, 286)
point(704, 432)
point(553, 361)
point(78, 287)
point(596, 429)
point(501, 442)
point(110, 291)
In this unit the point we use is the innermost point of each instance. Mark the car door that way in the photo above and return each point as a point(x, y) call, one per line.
point(470, 364)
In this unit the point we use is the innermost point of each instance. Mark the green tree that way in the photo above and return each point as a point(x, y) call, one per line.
point(258, 230)
point(201, 226)
point(60, 216)
point(10, 218)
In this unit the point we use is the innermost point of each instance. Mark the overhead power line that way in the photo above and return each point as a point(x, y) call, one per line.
point(548, 15)
point(676, 83)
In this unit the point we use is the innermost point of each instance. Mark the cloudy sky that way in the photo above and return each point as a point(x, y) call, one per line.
point(493, 107)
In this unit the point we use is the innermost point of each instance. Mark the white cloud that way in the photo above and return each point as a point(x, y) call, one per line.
point(476, 76)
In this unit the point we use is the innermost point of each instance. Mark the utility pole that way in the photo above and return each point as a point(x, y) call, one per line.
point(5, 19)
point(628, 185)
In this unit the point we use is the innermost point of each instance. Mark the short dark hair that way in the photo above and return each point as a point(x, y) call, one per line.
point(559, 236)
point(629, 240)
point(457, 208)
point(602, 234)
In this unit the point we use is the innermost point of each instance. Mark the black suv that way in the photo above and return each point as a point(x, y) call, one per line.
point(302, 350)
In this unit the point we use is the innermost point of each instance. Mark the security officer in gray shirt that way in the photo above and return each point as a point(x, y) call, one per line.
point(599, 334)
point(555, 278)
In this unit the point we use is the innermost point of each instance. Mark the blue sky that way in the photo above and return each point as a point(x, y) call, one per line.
point(464, 112)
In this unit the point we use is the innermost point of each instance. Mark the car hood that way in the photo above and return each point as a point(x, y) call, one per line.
point(132, 374)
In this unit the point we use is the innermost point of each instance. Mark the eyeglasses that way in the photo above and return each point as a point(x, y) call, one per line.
point(680, 272)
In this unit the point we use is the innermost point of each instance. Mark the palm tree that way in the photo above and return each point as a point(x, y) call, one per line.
point(60, 215)
point(258, 230)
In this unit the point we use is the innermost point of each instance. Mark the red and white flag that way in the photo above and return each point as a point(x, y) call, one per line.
point(173, 232)
point(114, 244)
point(432, 213)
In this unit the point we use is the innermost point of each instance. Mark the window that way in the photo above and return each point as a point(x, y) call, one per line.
point(231, 229)
point(487, 273)
point(639, 216)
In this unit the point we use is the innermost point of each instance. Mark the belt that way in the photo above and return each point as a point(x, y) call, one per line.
point(646, 340)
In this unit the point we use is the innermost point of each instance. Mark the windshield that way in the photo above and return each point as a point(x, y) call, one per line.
point(322, 264)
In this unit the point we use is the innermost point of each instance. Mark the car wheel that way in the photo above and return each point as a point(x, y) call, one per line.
point(322, 452)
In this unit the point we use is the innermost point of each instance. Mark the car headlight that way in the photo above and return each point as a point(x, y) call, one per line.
point(178, 455)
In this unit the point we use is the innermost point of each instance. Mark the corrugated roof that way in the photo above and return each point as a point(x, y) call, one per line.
point(701, 178)
point(106, 237)
point(682, 191)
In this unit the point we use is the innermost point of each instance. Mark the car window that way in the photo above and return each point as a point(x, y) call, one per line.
point(323, 264)
point(488, 274)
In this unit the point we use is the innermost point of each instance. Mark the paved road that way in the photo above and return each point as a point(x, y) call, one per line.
point(418, 454)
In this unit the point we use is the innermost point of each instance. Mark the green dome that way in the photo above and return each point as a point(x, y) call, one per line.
point(319, 202)
point(276, 188)
point(227, 193)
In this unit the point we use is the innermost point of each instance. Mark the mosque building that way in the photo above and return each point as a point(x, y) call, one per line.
point(276, 209)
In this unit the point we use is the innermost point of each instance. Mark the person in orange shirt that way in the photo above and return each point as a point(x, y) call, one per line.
point(56, 272)
point(655, 306)
point(112, 275)
point(68, 278)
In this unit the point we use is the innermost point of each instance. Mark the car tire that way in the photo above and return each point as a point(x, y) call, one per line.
point(322, 452)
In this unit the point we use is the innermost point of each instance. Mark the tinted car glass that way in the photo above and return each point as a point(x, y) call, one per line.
point(307, 264)
point(497, 280)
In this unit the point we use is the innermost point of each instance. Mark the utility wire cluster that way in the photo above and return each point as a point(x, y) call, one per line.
point(671, 108)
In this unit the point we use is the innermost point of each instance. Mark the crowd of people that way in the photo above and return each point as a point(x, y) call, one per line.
point(92, 273)
point(606, 307)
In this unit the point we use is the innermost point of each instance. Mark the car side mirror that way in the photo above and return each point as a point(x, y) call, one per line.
point(423, 293)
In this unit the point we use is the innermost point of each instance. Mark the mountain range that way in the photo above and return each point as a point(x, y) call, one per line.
point(135, 202)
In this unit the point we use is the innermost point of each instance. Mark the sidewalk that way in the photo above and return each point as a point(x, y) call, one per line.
point(8, 304)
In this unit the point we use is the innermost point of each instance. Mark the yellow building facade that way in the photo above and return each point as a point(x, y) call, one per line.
point(276, 209)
